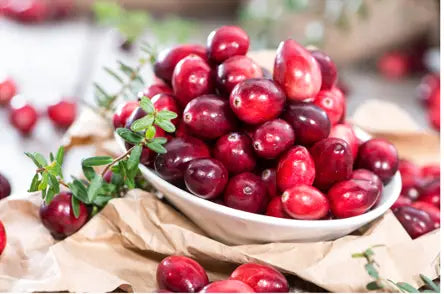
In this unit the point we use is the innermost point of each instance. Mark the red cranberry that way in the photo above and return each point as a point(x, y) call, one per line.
point(166, 102)
point(328, 69)
point(58, 216)
point(333, 102)
point(168, 59)
point(268, 176)
point(182, 130)
point(7, 91)
point(209, 117)
point(3, 238)
point(225, 42)
point(227, 286)
point(123, 113)
point(412, 192)
point(429, 84)
point(352, 197)
point(410, 172)
point(379, 156)
point(296, 71)
point(310, 122)
point(256, 101)
point(430, 192)
point(401, 201)
point(5, 187)
point(305, 202)
point(394, 65)
point(156, 88)
point(235, 151)
point(63, 113)
point(171, 166)
point(181, 274)
point(272, 138)
point(346, 133)
point(296, 167)
point(246, 192)
point(235, 70)
point(23, 117)
point(416, 222)
point(333, 161)
point(431, 171)
point(206, 177)
point(262, 278)
point(275, 208)
point(434, 111)
point(432, 210)
point(108, 176)
point(28, 11)
point(363, 174)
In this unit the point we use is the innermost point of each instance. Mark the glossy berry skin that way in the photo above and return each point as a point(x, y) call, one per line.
point(168, 59)
point(156, 88)
point(123, 112)
point(363, 174)
point(171, 166)
point(5, 187)
point(235, 70)
point(276, 209)
point(236, 153)
point(246, 192)
point(296, 71)
point(416, 222)
point(8, 90)
point(410, 172)
point(206, 177)
point(256, 101)
point(225, 42)
point(268, 177)
point(346, 133)
point(380, 157)
point(328, 69)
point(305, 202)
point(58, 216)
point(23, 118)
point(352, 197)
point(181, 274)
point(29, 11)
point(227, 286)
point(333, 102)
point(191, 78)
point(432, 210)
point(394, 65)
point(310, 122)
point(167, 102)
point(401, 201)
point(262, 278)
point(333, 162)
point(209, 117)
point(273, 138)
point(3, 238)
point(63, 113)
point(295, 167)
point(430, 171)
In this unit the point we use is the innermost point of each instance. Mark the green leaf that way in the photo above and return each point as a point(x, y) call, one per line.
point(34, 184)
point(130, 182)
point(369, 252)
point(166, 125)
point(371, 270)
point(166, 115)
point(79, 191)
point(358, 255)
point(113, 74)
point(134, 158)
point(432, 285)
point(150, 132)
point(147, 105)
point(36, 162)
point(88, 172)
point(54, 183)
point(40, 159)
point(373, 286)
point(129, 136)
point(102, 200)
point(94, 187)
point(156, 147)
point(160, 140)
point(51, 157)
point(75, 207)
point(44, 183)
point(60, 154)
point(407, 287)
point(50, 195)
point(142, 123)
point(97, 161)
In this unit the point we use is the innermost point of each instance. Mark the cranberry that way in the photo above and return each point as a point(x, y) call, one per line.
point(410, 172)
point(58, 216)
point(168, 59)
point(416, 222)
point(156, 88)
point(352, 197)
point(166, 102)
point(272, 138)
point(394, 65)
point(363, 174)
point(294, 168)
point(268, 176)
point(430, 192)
point(7, 91)
point(209, 117)
point(2, 237)
point(401, 201)
point(333, 161)
point(305, 202)
point(63, 113)
point(108, 176)
point(23, 117)
point(379, 156)
point(431, 171)
point(310, 122)
point(227, 286)
point(433, 199)
point(256, 101)
point(328, 69)
point(171, 166)
point(123, 112)
point(262, 278)
point(333, 102)
point(346, 133)
point(5, 187)
point(235, 70)
point(429, 84)
point(434, 111)
point(432, 210)
point(181, 274)
point(28, 11)
point(206, 177)
point(182, 130)
point(276, 209)
point(225, 42)
point(246, 192)
point(235, 151)
point(296, 71)
point(412, 192)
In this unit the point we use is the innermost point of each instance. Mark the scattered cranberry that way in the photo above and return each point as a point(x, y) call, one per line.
point(181, 274)
point(431, 171)
point(346, 133)
point(410, 172)
point(394, 65)
point(416, 222)
point(166, 102)
point(268, 176)
point(156, 88)
point(256, 101)
point(63, 113)
point(28, 11)
point(273, 138)
point(305, 202)
point(333, 102)
point(206, 177)
point(430, 192)
point(246, 192)
point(225, 42)
point(23, 117)
point(328, 69)
point(108, 176)
point(434, 111)
point(401, 201)
point(235, 151)
point(363, 174)
point(296, 167)
point(262, 278)
point(5, 187)
point(432, 210)
point(276, 209)
point(8, 90)
point(227, 286)
point(412, 192)
point(123, 113)
point(3, 238)
point(429, 84)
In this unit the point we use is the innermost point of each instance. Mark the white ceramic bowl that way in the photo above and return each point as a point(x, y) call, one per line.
point(238, 227)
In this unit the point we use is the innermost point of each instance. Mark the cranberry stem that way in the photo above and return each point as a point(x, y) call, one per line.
point(116, 160)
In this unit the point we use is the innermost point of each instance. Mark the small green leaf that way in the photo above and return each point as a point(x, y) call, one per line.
point(142, 123)
point(134, 158)
point(150, 132)
point(34, 184)
point(371, 270)
point(358, 255)
point(94, 187)
point(75, 207)
point(113, 74)
point(51, 157)
point(130, 182)
point(88, 172)
point(50, 195)
point(129, 136)
point(97, 161)
point(432, 285)
point(101, 201)
point(31, 155)
point(40, 159)
point(373, 286)
point(407, 287)
point(166, 125)
point(166, 115)
point(55, 186)
point(369, 252)
point(60, 154)
point(156, 147)
point(147, 105)
point(160, 140)
point(79, 191)
point(44, 183)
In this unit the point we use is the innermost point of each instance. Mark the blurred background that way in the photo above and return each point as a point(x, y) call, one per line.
point(52, 52)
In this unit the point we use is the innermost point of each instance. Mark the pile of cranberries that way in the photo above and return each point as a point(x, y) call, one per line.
point(429, 92)
point(185, 275)
point(269, 144)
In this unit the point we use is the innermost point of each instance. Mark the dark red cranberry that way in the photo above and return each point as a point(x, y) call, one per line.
point(429, 84)
point(434, 110)
point(401, 201)
point(5, 187)
point(182, 129)
point(273, 138)
point(305, 202)
point(227, 286)
point(58, 216)
point(268, 176)
point(412, 192)
point(167, 59)
point(23, 117)
point(63, 113)
point(295, 167)
point(328, 69)
point(156, 88)
point(346, 133)
point(432, 210)
point(123, 112)
point(166, 102)
point(276, 209)
point(430, 192)
point(416, 222)
point(225, 42)
point(235, 70)
point(352, 197)
point(310, 122)
point(394, 65)
point(246, 192)
point(235, 151)
point(363, 174)
point(333, 102)
point(262, 278)
point(171, 166)
point(108, 176)
point(28, 11)
point(181, 274)
point(206, 177)
point(8, 90)
point(333, 162)
point(410, 172)
point(296, 71)
point(256, 101)
point(3, 238)
point(380, 157)
point(433, 199)
point(431, 171)
point(209, 117)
